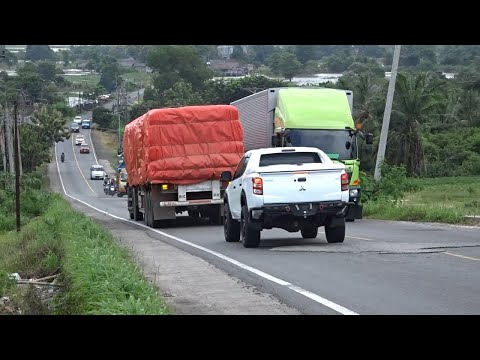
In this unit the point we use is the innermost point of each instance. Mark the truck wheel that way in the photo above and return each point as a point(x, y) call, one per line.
point(131, 215)
point(137, 215)
point(250, 237)
point(309, 231)
point(231, 228)
point(335, 234)
point(349, 219)
point(146, 214)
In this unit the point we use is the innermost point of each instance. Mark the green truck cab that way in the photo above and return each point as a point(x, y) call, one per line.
point(316, 117)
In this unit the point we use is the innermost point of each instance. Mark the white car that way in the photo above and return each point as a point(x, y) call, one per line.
point(79, 140)
point(97, 172)
point(77, 120)
point(292, 188)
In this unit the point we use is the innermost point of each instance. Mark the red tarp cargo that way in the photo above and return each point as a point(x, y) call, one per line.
point(183, 145)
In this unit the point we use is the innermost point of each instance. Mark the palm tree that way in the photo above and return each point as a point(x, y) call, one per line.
point(413, 100)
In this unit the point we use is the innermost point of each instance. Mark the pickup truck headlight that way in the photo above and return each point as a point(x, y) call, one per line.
point(354, 193)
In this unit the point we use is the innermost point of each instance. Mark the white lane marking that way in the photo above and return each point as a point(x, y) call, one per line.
point(317, 298)
point(461, 256)
point(79, 169)
point(91, 143)
point(359, 238)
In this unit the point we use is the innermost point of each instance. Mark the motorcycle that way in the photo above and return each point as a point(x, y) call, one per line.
point(112, 190)
point(62, 158)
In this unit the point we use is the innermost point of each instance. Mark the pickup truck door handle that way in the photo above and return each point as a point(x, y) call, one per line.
point(302, 179)
point(239, 184)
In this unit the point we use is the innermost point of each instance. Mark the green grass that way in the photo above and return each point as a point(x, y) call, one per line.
point(90, 80)
point(137, 76)
point(438, 200)
point(99, 276)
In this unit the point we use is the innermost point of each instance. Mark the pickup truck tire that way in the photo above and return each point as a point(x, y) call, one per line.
point(335, 234)
point(231, 228)
point(309, 231)
point(250, 236)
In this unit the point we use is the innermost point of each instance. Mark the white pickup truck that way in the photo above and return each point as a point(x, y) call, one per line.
point(292, 188)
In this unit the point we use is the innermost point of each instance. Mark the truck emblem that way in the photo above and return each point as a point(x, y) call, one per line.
point(301, 188)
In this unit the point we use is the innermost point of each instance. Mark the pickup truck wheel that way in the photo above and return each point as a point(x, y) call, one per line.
point(309, 231)
point(250, 237)
point(335, 234)
point(231, 228)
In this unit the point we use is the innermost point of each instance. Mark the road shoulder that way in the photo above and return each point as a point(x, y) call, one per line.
point(189, 284)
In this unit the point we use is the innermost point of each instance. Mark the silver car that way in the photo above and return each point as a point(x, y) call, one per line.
point(97, 172)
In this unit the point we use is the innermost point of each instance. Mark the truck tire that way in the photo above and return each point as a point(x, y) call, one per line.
point(146, 214)
point(335, 234)
point(231, 228)
point(309, 231)
point(250, 236)
point(137, 215)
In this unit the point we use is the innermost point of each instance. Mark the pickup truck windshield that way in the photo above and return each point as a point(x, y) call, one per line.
point(290, 158)
point(329, 141)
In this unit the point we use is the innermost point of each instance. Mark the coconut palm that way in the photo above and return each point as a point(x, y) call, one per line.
point(412, 103)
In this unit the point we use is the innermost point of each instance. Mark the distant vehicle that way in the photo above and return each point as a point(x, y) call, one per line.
point(79, 140)
point(97, 172)
point(75, 128)
point(77, 120)
point(86, 123)
point(84, 149)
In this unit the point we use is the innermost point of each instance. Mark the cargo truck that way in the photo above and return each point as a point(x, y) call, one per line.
point(174, 158)
point(312, 117)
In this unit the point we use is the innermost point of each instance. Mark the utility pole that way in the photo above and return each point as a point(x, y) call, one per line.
point(9, 140)
point(386, 115)
point(17, 171)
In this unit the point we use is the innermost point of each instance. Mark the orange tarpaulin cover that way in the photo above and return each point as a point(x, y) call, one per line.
point(184, 145)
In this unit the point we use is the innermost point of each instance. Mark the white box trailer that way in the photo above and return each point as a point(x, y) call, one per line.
point(257, 113)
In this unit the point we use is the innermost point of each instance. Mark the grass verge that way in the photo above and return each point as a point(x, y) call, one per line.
point(99, 276)
point(445, 200)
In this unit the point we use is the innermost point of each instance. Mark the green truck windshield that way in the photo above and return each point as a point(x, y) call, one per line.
point(341, 142)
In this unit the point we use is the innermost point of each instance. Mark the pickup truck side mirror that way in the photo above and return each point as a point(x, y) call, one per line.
point(369, 138)
point(226, 176)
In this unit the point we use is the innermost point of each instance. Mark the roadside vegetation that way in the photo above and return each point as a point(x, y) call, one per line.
point(398, 197)
point(97, 276)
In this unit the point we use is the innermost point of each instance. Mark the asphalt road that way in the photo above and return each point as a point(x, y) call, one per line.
point(383, 267)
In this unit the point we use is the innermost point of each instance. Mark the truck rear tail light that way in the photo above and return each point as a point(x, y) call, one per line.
point(344, 181)
point(257, 185)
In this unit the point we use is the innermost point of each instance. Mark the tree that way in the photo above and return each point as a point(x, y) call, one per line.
point(109, 77)
point(181, 94)
point(238, 53)
point(305, 53)
point(39, 52)
point(173, 63)
point(50, 124)
point(102, 116)
point(47, 70)
point(412, 103)
point(289, 65)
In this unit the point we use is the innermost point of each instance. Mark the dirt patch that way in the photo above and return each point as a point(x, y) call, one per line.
point(106, 144)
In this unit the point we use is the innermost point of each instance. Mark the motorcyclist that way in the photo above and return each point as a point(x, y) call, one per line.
point(105, 180)
point(62, 157)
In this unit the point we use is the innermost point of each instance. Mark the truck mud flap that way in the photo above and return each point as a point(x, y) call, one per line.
point(354, 212)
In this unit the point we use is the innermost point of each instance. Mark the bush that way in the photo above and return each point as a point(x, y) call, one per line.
point(393, 184)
